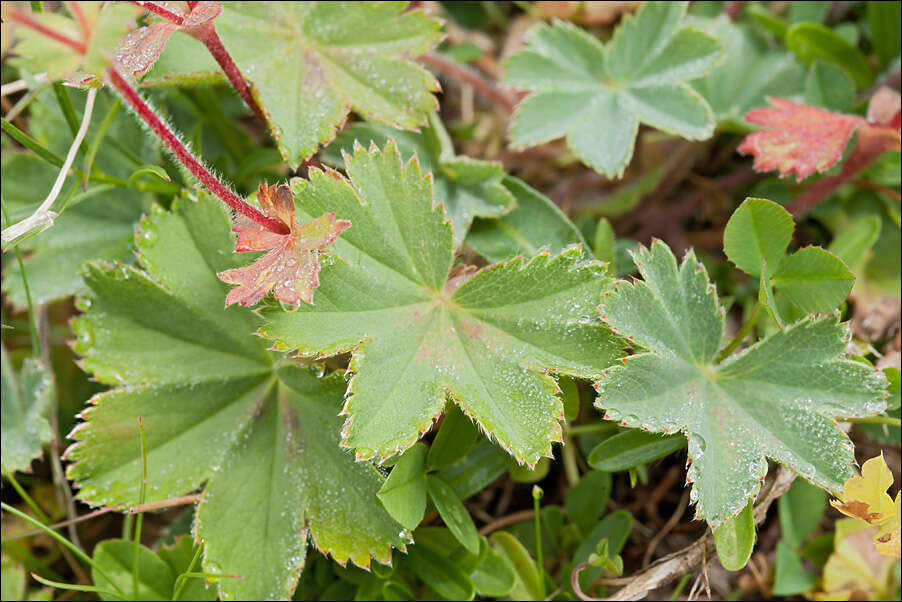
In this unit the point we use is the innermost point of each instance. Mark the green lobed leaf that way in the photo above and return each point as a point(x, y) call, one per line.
point(310, 63)
point(596, 95)
point(218, 408)
point(534, 224)
point(467, 188)
point(27, 401)
point(422, 333)
point(750, 72)
point(777, 399)
point(759, 229)
point(404, 492)
point(735, 539)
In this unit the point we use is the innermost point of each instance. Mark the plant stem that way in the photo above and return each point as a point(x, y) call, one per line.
point(888, 420)
point(743, 332)
point(141, 498)
point(537, 519)
point(207, 34)
point(181, 152)
point(98, 138)
point(27, 498)
point(161, 12)
point(35, 345)
point(463, 73)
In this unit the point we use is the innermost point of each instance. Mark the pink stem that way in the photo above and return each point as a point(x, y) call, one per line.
point(162, 12)
point(206, 34)
point(187, 159)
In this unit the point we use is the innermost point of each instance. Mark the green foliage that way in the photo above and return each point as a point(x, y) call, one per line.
point(777, 399)
point(596, 95)
point(217, 407)
point(735, 539)
point(483, 339)
point(813, 279)
point(27, 401)
point(465, 187)
point(355, 56)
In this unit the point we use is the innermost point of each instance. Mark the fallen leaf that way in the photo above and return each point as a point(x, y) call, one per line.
point(291, 267)
point(865, 498)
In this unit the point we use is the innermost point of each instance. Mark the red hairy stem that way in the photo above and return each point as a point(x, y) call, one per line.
point(466, 74)
point(206, 34)
point(82, 20)
point(187, 159)
point(19, 17)
point(162, 12)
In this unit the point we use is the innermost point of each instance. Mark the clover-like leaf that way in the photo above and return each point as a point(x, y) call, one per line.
point(777, 399)
point(310, 63)
point(596, 95)
point(218, 408)
point(865, 497)
point(291, 267)
point(420, 332)
point(466, 187)
point(798, 138)
point(27, 399)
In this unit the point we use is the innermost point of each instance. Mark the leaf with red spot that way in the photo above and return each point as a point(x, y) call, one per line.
point(140, 49)
point(776, 399)
point(798, 138)
point(291, 267)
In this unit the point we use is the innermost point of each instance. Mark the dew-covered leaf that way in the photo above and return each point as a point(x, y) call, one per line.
point(218, 408)
point(420, 332)
point(777, 399)
point(466, 187)
point(596, 95)
point(140, 49)
point(27, 400)
point(291, 267)
point(310, 63)
point(797, 138)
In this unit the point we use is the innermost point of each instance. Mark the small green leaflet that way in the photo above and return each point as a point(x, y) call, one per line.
point(812, 278)
point(219, 409)
point(777, 399)
point(27, 399)
point(596, 95)
point(466, 187)
point(310, 63)
point(419, 331)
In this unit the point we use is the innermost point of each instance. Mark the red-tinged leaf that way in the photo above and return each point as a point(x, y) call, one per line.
point(799, 138)
point(291, 268)
point(140, 49)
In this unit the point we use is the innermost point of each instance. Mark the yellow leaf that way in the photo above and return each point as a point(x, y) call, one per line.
point(865, 498)
point(888, 540)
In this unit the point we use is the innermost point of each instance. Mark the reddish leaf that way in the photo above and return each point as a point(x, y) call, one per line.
point(292, 265)
point(885, 108)
point(141, 48)
point(799, 138)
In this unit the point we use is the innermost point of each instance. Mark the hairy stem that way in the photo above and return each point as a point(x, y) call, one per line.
point(206, 34)
point(506, 99)
point(161, 12)
point(186, 158)
point(20, 17)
